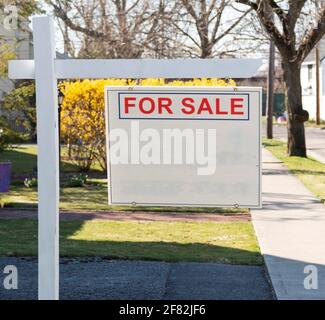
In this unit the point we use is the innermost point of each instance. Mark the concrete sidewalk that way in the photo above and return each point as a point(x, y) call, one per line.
point(291, 232)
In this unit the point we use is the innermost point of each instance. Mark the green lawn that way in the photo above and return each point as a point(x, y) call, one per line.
point(224, 242)
point(309, 123)
point(227, 242)
point(24, 159)
point(312, 123)
point(308, 170)
point(163, 241)
point(93, 197)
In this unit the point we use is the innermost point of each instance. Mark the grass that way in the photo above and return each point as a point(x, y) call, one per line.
point(222, 242)
point(24, 160)
point(309, 123)
point(312, 123)
point(308, 170)
point(94, 199)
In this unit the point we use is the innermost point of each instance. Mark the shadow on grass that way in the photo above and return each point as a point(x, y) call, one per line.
point(293, 171)
point(24, 163)
point(308, 172)
point(272, 143)
point(95, 199)
point(21, 161)
point(109, 208)
point(21, 205)
point(159, 251)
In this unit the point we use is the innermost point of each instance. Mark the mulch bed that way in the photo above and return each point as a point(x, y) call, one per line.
point(10, 213)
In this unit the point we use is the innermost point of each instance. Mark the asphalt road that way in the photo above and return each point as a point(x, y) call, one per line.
point(315, 140)
point(95, 278)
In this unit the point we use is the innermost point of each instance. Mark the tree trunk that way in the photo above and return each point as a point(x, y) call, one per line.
point(296, 115)
point(206, 51)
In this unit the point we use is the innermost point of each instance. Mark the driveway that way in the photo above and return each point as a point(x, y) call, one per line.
point(96, 278)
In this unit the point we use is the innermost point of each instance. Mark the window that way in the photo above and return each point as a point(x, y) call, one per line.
point(310, 72)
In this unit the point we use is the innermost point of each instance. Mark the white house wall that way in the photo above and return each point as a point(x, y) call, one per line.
point(24, 50)
point(309, 90)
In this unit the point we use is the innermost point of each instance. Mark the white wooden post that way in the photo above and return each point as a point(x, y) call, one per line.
point(48, 158)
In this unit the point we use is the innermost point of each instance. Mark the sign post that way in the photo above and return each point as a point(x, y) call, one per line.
point(47, 159)
point(45, 69)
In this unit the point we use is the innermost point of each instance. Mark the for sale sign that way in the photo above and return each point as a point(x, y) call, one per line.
point(184, 146)
point(159, 105)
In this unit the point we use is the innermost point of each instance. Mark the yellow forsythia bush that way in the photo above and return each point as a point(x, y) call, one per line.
point(83, 120)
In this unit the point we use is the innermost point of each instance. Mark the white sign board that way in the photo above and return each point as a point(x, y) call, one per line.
point(184, 146)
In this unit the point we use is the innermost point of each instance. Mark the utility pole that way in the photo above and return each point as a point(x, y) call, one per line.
point(317, 87)
point(270, 91)
point(270, 85)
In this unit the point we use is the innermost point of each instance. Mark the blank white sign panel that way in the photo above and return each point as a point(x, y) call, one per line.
point(184, 146)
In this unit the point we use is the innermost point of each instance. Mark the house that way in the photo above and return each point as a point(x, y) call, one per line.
point(21, 40)
point(308, 82)
point(260, 80)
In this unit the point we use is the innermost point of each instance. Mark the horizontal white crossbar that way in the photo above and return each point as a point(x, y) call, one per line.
point(141, 68)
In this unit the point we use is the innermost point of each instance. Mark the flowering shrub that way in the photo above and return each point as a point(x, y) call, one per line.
point(30, 183)
point(7, 52)
point(77, 181)
point(83, 120)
